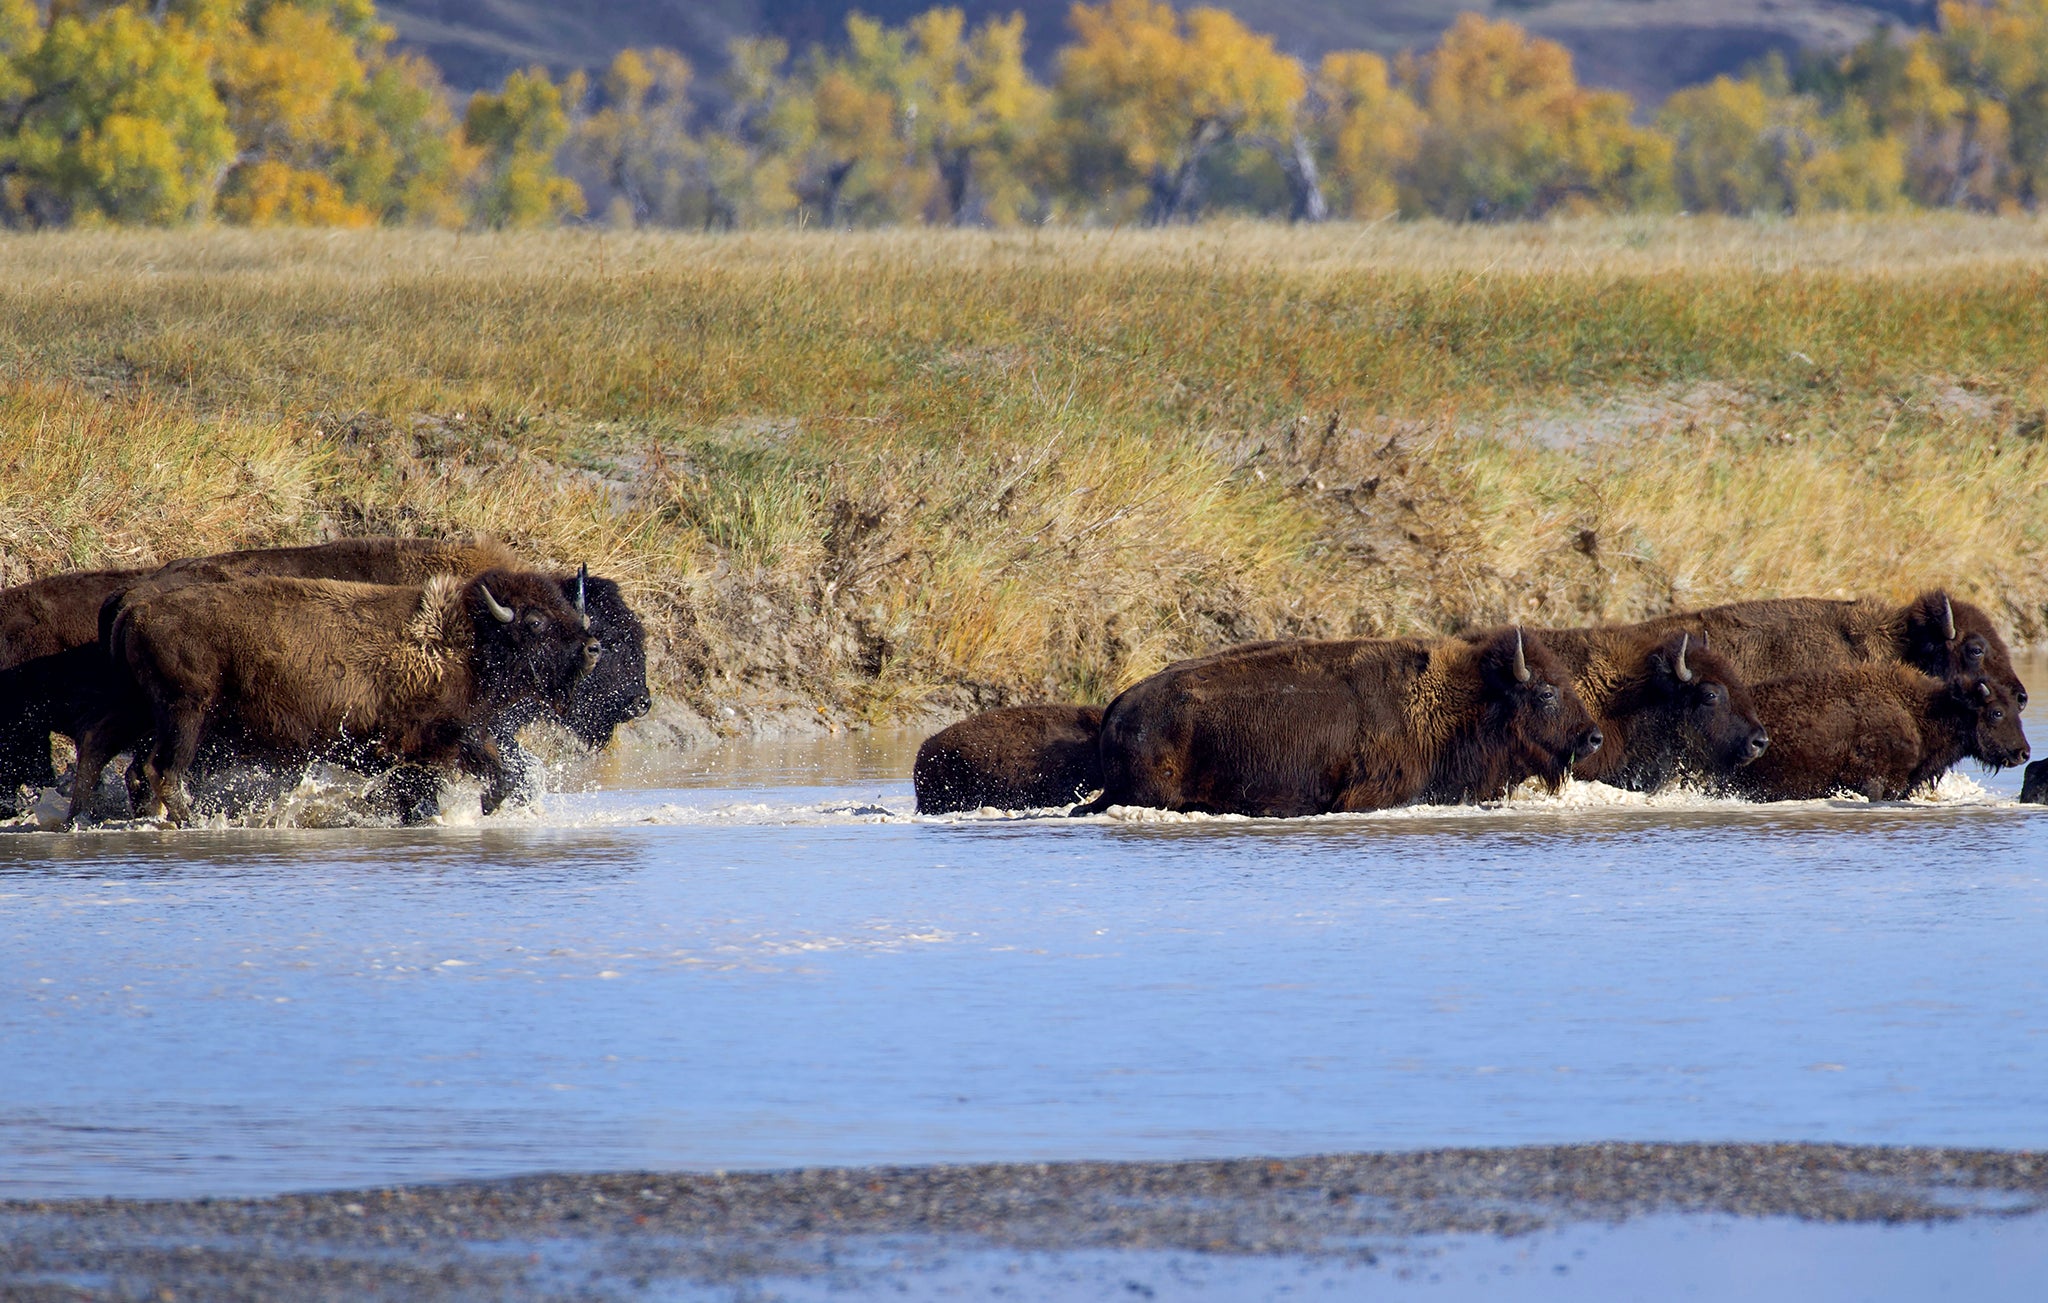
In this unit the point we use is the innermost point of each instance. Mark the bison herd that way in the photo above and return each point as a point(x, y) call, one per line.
point(413, 659)
point(1791, 699)
point(406, 659)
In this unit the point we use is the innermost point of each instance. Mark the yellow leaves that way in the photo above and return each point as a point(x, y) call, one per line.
point(518, 131)
point(1371, 130)
point(1511, 132)
point(270, 193)
point(1147, 94)
point(1740, 148)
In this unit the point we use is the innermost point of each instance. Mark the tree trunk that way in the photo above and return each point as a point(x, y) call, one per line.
point(956, 174)
point(1174, 193)
point(835, 184)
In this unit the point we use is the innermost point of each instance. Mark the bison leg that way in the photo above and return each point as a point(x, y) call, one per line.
point(416, 792)
point(481, 757)
point(178, 730)
point(97, 744)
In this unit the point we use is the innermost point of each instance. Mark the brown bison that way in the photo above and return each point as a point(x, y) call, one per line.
point(614, 693)
point(46, 616)
point(60, 693)
point(1933, 633)
point(1016, 758)
point(374, 676)
point(2034, 785)
point(1878, 731)
point(1665, 706)
point(1286, 729)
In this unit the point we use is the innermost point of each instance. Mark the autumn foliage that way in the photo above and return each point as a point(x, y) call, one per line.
point(301, 112)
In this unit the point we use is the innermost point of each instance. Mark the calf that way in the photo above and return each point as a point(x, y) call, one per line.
point(1016, 758)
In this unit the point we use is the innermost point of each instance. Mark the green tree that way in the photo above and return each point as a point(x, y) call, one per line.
point(1754, 146)
point(111, 117)
point(518, 131)
point(636, 151)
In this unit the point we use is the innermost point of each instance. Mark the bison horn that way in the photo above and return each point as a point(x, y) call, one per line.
point(1948, 617)
point(582, 578)
point(1521, 661)
point(1684, 674)
point(502, 612)
point(1984, 689)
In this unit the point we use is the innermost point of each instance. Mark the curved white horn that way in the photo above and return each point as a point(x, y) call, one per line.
point(1948, 617)
point(1683, 672)
point(503, 613)
point(1521, 661)
point(582, 578)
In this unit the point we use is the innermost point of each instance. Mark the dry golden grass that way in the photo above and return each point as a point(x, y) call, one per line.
point(858, 472)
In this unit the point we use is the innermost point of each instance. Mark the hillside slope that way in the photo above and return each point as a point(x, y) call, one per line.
point(1646, 47)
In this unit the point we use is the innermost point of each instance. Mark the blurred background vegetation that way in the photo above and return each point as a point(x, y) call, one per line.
point(308, 112)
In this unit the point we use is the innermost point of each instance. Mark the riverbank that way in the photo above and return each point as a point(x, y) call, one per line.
point(865, 478)
point(879, 1229)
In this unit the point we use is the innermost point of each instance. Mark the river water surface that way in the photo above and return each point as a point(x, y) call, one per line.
point(756, 957)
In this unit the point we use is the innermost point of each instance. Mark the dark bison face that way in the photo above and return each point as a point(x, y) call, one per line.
point(615, 691)
point(1709, 700)
point(531, 641)
point(1537, 712)
point(1997, 738)
point(1956, 642)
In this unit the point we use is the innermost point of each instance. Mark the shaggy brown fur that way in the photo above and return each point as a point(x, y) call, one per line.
point(2034, 786)
point(1656, 726)
point(365, 674)
point(1791, 635)
point(362, 560)
point(47, 616)
point(1017, 758)
point(1876, 730)
point(1285, 729)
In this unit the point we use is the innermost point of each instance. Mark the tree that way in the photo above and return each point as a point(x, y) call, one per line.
point(111, 117)
point(518, 130)
point(1146, 95)
point(638, 148)
point(1367, 131)
point(1752, 146)
point(1511, 133)
point(1996, 51)
point(972, 108)
point(761, 125)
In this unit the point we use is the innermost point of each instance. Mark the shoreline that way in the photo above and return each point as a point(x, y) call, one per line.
point(625, 1231)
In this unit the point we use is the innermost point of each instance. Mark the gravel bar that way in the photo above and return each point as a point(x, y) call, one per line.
point(629, 1235)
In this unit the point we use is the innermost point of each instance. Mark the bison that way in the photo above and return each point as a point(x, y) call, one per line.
point(374, 676)
point(1016, 758)
point(1878, 731)
point(60, 693)
point(1288, 729)
point(2034, 784)
point(1933, 633)
point(46, 616)
point(1665, 706)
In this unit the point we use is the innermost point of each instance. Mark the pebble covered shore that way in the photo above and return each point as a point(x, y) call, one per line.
point(622, 1235)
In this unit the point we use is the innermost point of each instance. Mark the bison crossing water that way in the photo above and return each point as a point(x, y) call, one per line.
point(1786, 699)
point(402, 658)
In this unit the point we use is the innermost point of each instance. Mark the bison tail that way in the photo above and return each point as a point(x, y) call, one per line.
point(113, 610)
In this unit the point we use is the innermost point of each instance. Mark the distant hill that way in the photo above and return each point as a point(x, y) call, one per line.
point(1646, 47)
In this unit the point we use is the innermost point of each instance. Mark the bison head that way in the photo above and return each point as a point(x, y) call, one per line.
point(531, 641)
point(1534, 710)
point(616, 690)
point(1996, 737)
point(1708, 700)
point(1956, 642)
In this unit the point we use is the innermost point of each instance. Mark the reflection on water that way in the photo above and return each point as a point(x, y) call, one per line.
point(790, 970)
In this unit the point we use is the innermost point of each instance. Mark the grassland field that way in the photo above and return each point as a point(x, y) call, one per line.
point(857, 477)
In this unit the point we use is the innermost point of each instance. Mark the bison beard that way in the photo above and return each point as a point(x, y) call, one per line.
point(1878, 731)
point(1288, 729)
point(1016, 758)
point(373, 676)
point(1665, 706)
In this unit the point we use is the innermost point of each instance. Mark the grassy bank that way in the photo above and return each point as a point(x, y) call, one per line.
point(865, 474)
